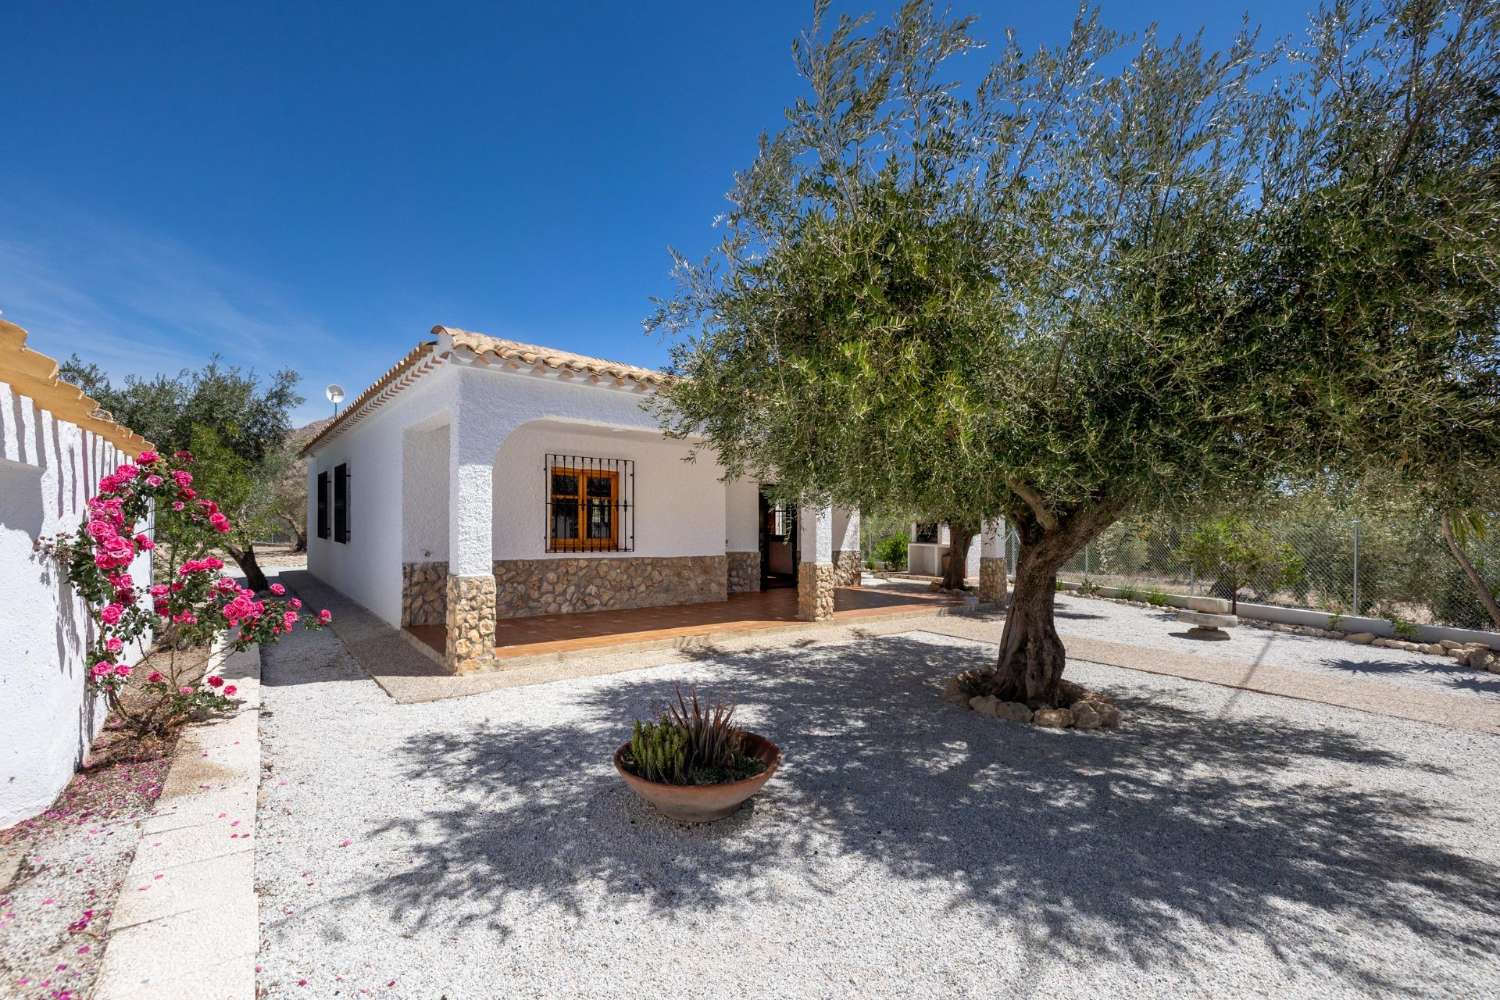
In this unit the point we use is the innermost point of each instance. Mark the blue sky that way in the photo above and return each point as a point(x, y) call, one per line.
point(315, 186)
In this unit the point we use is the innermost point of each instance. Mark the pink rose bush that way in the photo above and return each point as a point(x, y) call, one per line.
point(188, 604)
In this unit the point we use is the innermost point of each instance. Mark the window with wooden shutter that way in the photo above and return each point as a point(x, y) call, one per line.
point(323, 505)
point(341, 503)
point(590, 504)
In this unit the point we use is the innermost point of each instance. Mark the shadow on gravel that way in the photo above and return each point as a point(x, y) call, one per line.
point(1125, 846)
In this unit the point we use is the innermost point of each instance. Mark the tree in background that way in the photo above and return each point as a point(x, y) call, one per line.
point(234, 425)
point(1100, 281)
point(1236, 555)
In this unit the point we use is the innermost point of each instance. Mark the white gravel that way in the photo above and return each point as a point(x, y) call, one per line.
point(1222, 844)
point(1097, 619)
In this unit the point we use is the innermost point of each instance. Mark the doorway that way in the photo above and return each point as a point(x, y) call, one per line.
point(778, 544)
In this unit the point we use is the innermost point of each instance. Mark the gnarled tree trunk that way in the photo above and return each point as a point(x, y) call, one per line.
point(960, 535)
point(254, 578)
point(299, 533)
point(1032, 656)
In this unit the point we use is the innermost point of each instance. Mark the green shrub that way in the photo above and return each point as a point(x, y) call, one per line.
point(1335, 622)
point(1156, 597)
point(1127, 592)
point(891, 550)
point(1404, 630)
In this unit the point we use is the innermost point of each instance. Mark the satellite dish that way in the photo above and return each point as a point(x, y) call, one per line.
point(335, 394)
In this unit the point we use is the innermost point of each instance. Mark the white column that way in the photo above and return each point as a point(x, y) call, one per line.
point(846, 552)
point(815, 578)
point(992, 583)
point(470, 610)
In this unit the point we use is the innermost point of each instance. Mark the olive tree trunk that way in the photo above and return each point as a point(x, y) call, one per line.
point(960, 535)
point(1032, 656)
point(1476, 582)
point(254, 578)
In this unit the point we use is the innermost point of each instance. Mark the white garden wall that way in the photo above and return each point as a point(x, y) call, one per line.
point(48, 470)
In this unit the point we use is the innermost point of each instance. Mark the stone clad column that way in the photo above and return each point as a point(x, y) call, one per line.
point(993, 586)
point(815, 574)
point(471, 567)
point(847, 565)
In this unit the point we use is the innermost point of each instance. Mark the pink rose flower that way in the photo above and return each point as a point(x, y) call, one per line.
point(153, 480)
point(101, 669)
point(294, 603)
point(324, 616)
point(122, 670)
point(184, 690)
point(147, 457)
point(182, 477)
point(111, 614)
point(178, 505)
point(220, 523)
point(215, 681)
point(144, 542)
point(277, 589)
point(114, 645)
point(154, 677)
point(230, 690)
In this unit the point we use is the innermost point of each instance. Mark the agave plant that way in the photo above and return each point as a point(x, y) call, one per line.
point(713, 740)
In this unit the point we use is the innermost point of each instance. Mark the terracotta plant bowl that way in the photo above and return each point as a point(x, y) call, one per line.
point(703, 803)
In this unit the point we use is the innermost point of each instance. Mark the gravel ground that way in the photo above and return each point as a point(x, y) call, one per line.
point(1222, 843)
point(1107, 620)
point(61, 872)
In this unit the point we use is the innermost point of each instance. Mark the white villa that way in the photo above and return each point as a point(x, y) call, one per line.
point(481, 480)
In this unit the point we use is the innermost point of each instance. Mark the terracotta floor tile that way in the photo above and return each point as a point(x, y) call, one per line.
point(741, 613)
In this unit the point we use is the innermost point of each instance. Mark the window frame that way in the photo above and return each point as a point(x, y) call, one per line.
point(324, 511)
point(582, 502)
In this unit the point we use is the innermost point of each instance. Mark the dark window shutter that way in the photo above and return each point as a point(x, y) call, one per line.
point(322, 505)
point(341, 503)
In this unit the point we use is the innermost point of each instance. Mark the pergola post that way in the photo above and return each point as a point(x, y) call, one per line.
point(993, 586)
point(816, 579)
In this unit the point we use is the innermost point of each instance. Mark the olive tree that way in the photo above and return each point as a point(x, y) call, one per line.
point(1108, 276)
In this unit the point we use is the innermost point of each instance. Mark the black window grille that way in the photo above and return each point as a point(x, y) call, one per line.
point(590, 504)
point(927, 533)
point(323, 505)
point(341, 503)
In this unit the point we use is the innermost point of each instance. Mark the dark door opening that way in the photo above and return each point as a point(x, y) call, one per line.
point(778, 544)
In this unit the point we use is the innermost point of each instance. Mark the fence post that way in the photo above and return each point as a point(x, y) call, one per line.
point(1356, 567)
point(1086, 561)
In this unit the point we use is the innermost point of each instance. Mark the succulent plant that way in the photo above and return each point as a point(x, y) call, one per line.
point(659, 752)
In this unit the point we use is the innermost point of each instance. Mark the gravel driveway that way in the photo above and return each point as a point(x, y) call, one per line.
point(1221, 844)
point(1096, 619)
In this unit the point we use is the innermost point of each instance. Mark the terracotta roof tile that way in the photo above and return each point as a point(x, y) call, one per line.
point(535, 354)
point(35, 375)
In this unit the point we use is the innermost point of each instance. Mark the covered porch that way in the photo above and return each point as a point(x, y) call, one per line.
point(517, 638)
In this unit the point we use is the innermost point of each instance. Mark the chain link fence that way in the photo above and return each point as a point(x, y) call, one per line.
point(1387, 566)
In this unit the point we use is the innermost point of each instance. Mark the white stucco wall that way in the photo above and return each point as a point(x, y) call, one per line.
point(679, 506)
point(742, 516)
point(48, 470)
point(368, 567)
point(424, 493)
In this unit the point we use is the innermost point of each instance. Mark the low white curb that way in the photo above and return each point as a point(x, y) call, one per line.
point(186, 923)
